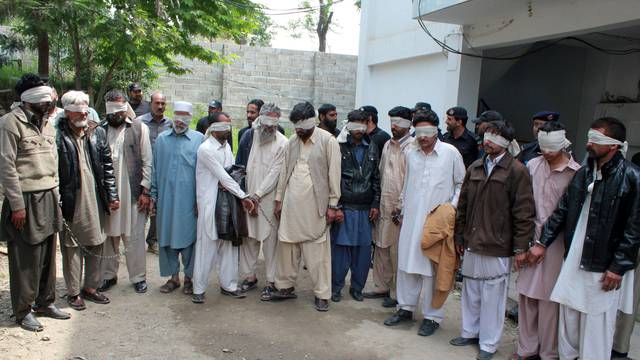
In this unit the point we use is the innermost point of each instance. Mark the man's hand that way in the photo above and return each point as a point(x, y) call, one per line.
point(536, 254)
point(248, 205)
point(114, 205)
point(144, 203)
point(373, 214)
point(460, 249)
point(18, 218)
point(521, 260)
point(339, 216)
point(331, 215)
point(396, 217)
point(611, 281)
point(278, 210)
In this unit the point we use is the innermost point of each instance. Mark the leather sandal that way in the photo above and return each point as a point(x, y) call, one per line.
point(95, 297)
point(76, 302)
point(169, 286)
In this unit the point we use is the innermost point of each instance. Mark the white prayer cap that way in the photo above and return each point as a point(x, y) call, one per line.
point(182, 106)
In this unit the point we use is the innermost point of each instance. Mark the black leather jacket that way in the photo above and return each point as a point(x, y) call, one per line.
point(613, 227)
point(100, 156)
point(359, 185)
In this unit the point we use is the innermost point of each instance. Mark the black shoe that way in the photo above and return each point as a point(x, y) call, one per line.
point(234, 294)
point(198, 298)
point(485, 355)
point(375, 295)
point(428, 327)
point(336, 297)
point(248, 285)
point(284, 294)
point(51, 311)
point(322, 305)
point(140, 287)
point(107, 284)
point(399, 317)
point(462, 341)
point(618, 355)
point(30, 323)
point(356, 294)
point(389, 302)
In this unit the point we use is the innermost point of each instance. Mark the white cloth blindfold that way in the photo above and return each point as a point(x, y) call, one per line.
point(553, 140)
point(428, 131)
point(184, 119)
point(220, 126)
point(496, 139)
point(400, 122)
point(596, 137)
point(36, 95)
point(77, 108)
point(114, 107)
point(352, 126)
point(306, 124)
point(267, 120)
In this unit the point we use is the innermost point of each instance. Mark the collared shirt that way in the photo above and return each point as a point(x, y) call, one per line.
point(490, 163)
point(155, 127)
point(466, 144)
point(358, 150)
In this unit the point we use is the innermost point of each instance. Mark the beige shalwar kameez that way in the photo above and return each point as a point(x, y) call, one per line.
point(303, 232)
point(263, 172)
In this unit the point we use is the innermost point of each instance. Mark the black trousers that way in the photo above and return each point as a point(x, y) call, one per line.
point(32, 274)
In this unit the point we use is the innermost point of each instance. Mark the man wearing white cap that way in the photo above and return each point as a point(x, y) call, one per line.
point(30, 213)
point(537, 315)
point(214, 156)
point(495, 220)
point(265, 158)
point(173, 191)
point(306, 203)
point(600, 216)
point(132, 160)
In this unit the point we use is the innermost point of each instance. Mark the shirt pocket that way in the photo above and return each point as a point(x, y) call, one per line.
point(33, 144)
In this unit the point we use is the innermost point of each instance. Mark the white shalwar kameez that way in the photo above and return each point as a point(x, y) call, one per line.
point(213, 158)
point(587, 313)
point(430, 180)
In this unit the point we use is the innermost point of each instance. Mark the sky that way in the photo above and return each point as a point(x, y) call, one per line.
point(342, 38)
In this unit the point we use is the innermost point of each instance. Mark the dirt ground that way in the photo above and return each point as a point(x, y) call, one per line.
point(170, 326)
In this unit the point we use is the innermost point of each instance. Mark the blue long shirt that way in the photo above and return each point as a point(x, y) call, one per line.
point(173, 187)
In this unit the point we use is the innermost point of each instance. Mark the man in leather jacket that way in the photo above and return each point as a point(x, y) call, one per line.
point(600, 217)
point(86, 174)
point(360, 201)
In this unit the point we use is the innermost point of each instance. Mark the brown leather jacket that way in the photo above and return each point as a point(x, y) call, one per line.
point(496, 214)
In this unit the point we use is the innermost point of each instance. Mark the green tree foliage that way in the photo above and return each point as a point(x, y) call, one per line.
point(107, 43)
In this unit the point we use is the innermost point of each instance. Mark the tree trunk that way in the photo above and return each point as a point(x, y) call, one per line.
point(43, 54)
point(324, 21)
point(77, 58)
point(105, 82)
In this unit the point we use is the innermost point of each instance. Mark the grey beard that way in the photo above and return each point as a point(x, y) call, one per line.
point(266, 136)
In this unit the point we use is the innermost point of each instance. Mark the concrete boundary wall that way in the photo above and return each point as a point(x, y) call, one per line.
point(285, 77)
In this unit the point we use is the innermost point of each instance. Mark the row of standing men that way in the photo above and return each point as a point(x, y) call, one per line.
point(295, 188)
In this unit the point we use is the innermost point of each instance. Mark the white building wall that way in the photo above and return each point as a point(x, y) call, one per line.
point(398, 64)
